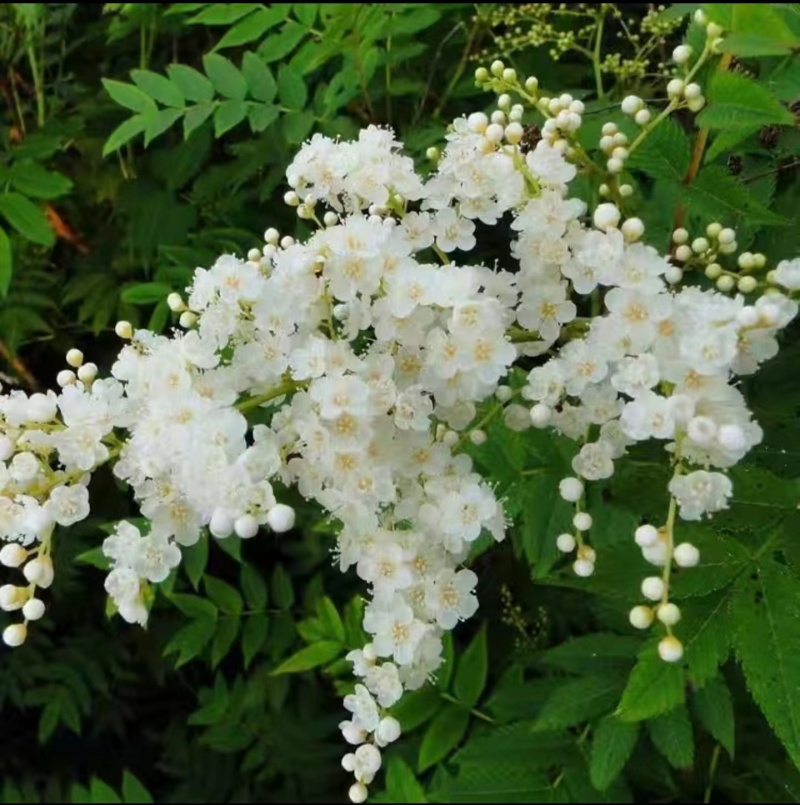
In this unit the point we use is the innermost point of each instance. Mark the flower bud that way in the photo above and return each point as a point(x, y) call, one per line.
point(606, 216)
point(246, 526)
point(582, 521)
point(686, 555)
point(646, 535)
point(33, 609)
point(123, 329)
point(13, 555)
point(280, 518)
point(641, 617)
point(668, 614)
point(565, 543)
point(583, 568)
point(358, 793)
point(682, 54)
point(221, 524)
point(670, 649)
point(388, 730)
point(570, 489)
point(653, 588)
point(15, 634)
point(74, 358)
point(39, 571)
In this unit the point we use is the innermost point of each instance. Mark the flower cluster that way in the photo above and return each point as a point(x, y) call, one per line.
point(365, 351)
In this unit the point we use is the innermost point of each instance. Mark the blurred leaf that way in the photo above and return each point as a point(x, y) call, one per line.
point(310, 657)
point(472, 669)
point(442, 736)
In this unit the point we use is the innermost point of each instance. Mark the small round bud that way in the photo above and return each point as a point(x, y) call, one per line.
point(331, 218)
point(39, 571)
point(74, 358)
point(696, 104)
point(626, 190)
point(272, 236)
point(726, 236)
point(728, 248)
point(653, 588)
point(759, 260)
point(498, 117)
point(570, 489)
point(670, 649)
point(503, 393)
point(582, 521)
point(609, 129)
point(349, 762)
point(583, 568)
point(514, 133)
point(713, 30)
point(509, 74)
point(700, 245)
point(253, 255)
point(713, 271)
point(682, 54)
point(680, 236)
point(15, 634)
point(615, 165)
point(641, 617)
point(66, 377)
point(642, 117)
point(747, 284)
point(358, 793)
point(478, 437)
point(497, 67)
point(632, 229)
point(669, 614)
point(686, 555)
point(604, 190)
point(175, 302)
point(620, 152)
point(532, 83)
point(246, 526)
point(713, 229)
point(620, 138)
point(540, 415)
point(187, 319)
point(433, 154)
point(606, 216)
point(12, 555)
point(675, 87)
point(646, 535)
point(565, 543)
point(33, 609)
point(305, 212)
point(494, 133)
point(478, 122)
point(280, 518)
point(683, 253)
point(11, 597)
point(481, 74)
point(673, 275)
point(450, 438)
point(725, 284)
point(700, 17)
point(745, 261)
point(632, 104)
point(6, 448)
point(388, 730)
point(87, 373)
point(291, 198)
point(221, 525)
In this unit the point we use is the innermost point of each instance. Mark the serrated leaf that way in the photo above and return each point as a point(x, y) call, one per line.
point(124, 133)
point(310, 657)
point(613, 742)
point(191, 83)
point(226, 597)
point(713, 706)
point(765, 611)
point(753, 29)
point(735, 101)
point(28, 219)
point(158, 88)
point(254, 587)
point(6, 263)
point(580, 700)
point(473, 666)
point(228, 115)
point(252, 27)
point(128, 95)
point(442, 736)
point(291, 88)
point(260, 83)
point(664, 154)
point(254, 635)
point(654, 687)
point(673, 737)
point(225, 76)
point(133, 792)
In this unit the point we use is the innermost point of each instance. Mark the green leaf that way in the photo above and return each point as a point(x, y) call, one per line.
point(254, 587)
point(603, 651)
point(442, 736)
point(145, 293)
point(193, 606)
point(101, 792)
point(222, 13)
point(128, 95)
point(133, 792)
point(654, 687)
point(664, 154)
point(765, 612)
point(190, 641)
point(260, 83)
point(261, 116)
point(713, 707)
point(291, 88)
point(401, 784)
point(281, 586)
point(195, 560)
point(158, 87)
point(310, 657)
point(94, 557)
point(191, 83)
point(252, 27)
point(254, 635)
point(225, 76)
point(227, 115)
point(157, 122)
point(417, 707)
point(613, 742)
point(735, 101)
point(6, 263)
point(124, 133)
point(227, 598)
point(32, 180)
point(28, 219)
point(306, 12)
point(330, 620)
point(757, 30)
point(673, 737)
point(297, 126)
point(580, 700)
point(471, 672)
point(224, 637)
point(277, 46)
point(196, 116)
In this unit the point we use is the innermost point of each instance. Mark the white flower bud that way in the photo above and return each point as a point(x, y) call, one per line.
point(615, 165)
point(653, 588)
point(33, 609)
point(713, 229)
point(626, 190)
point(74, 358)
point(514, 133)
point(6, 448)
point(494, 133)
point(726, 236)
point(686, 555)
point(246, 526)
point(15, 634)
point(330, 218)
point(713, 30)
point(673, 275)
point(187, 319)
point(632, 104)
point(39, 571)
point(713, 271)
point(582, 521)
point(286, 241)
point(87, 373)
point(570, 489)
point(291, 198)
point(388, 730)
point(565, 543)
point(123, 329)
point(540, 415)
point(221, 525)
point(725, 284)
point(669, 614)
point(11, 597)
point(609, 129)
point(503, 393)
point(280, 518)
point(642, 117)
point(358, 793)
point(606, 216)
point(66, 377)
point(656, 554)
point(504, 100)
point(641, 617)
point(272, 236)
point(700, 245)
point(13, 555)
point(450, 438)
point(478, 437)
point(478, 122)
point(632, 228)
point(675, 87)
point(696, 104)
point(481, 74)
point(700, 17)
point(646, 536)
point(531, 83)
point(670, 649)
point(680, 236)
point(683, 253)
point(583, 568)
point(497, 67)
point(682, 54)
point(349, 762)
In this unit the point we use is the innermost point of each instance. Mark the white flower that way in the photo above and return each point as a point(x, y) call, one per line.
point(787, 273)
point(68, 504)
point(450, 596)
point(383, 681)
point(700, 493)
